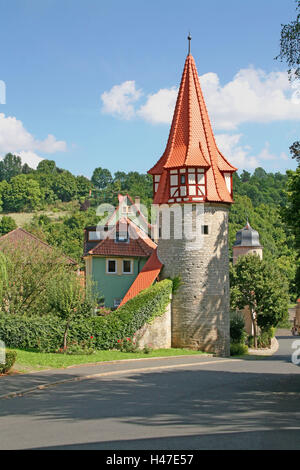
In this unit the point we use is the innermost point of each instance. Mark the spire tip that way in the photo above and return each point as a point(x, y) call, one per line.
point(189, 39)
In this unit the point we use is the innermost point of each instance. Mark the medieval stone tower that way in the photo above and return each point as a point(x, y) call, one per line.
point(193, 175)
point(247, 242)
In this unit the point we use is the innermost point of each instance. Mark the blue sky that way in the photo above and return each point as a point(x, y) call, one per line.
point(92, 83)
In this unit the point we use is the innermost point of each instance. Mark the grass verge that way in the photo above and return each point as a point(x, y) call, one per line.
point(28, 361)
point(23, 218)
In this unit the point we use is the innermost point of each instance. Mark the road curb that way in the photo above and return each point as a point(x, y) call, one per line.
point(20, 393)
point(115, 361)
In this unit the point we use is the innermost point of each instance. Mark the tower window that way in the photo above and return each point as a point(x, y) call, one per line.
point(205, 229)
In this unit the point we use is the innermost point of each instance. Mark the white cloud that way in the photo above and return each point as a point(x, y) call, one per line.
point(16, 139)
point(265, 154)
point(119, 100)
point(236, 153)
point(241, 155)
point(159, 107)
point(31, 158)
point(251, 96)
point(51, 145)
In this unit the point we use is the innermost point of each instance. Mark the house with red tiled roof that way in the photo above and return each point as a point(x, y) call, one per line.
point(120, 256)
point(21, 239)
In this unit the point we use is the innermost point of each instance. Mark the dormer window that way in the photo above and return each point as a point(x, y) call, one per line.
point(122, 237)
point(94, 235)
point(126, 210)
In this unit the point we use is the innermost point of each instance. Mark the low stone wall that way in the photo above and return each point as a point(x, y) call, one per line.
point(156, 334)
point(265, 351)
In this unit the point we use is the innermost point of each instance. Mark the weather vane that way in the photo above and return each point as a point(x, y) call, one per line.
point(189, 39)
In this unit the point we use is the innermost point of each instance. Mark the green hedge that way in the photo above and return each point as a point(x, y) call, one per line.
point(237, 325)
point(46, 333)
point(10, 359)
point(238, 349)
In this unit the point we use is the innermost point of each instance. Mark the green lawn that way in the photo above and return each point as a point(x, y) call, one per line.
point(23, 218)
point(32, 360)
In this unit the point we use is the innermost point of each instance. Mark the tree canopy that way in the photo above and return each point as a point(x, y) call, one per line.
point(259, 285)
point(290, 45)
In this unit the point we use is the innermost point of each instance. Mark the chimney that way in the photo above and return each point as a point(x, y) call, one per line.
point(137, 203)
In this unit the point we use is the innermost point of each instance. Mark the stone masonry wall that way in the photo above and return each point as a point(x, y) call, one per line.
point(245, 250)
point(200, 307)
point(158, 333)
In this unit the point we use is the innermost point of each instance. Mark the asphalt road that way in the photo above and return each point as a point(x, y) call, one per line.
point(181, 403)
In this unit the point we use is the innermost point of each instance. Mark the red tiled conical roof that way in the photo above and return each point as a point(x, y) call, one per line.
point(191, 141)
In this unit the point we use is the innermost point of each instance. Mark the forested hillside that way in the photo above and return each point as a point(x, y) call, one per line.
point(261, 197)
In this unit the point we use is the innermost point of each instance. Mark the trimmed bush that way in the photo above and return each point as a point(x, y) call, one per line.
point(46, 333)
point(237, 325)
point(10, 359)
point(238, 349)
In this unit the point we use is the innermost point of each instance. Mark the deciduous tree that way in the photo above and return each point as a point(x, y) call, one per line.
point(7, 224)
point(10, 166)
point(101, 178)
point(260, 286)
point(290, 45)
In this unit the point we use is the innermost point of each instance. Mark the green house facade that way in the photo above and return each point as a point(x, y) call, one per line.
point(113, 276)
point(116, 254)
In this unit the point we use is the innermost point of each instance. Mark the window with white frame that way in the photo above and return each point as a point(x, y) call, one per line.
point(127, 266)
point(187, 182)
point(117, 302)
point(227, 177)
point(122, 237)
point(111, 266)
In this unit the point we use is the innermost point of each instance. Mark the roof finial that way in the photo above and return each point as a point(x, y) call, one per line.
point(189, 39)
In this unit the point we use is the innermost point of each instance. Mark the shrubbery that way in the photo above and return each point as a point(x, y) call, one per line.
point(10, 359)
point(238, 349)
point(237, 325)
point(264, 339)
point(46, 333)
point(237, 334)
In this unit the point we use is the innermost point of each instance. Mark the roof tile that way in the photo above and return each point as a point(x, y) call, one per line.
point(139, 244)
point(145, 278)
